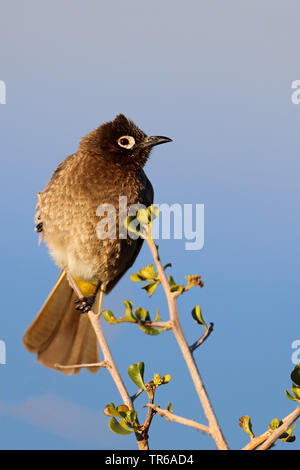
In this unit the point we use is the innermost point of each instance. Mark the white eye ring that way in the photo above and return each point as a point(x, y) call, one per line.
point(126, 141)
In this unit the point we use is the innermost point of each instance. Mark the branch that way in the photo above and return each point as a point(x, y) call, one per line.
point(166, 325)
point(270, 436)
point(214, 427)
point(150, 414)
point(79, 366)
point(179, 419)
point(137, 394)
point(110, 364)
point(256, 441)
point(201, 340)
point(286, 423)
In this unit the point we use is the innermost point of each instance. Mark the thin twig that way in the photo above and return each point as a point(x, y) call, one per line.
point(214, 427)
point(150, 414)
point(201, 340)
point(111, 366)
point(166, 325)
point(286, 423)
point(79, 366)
point(137, 394)
point(179, 419)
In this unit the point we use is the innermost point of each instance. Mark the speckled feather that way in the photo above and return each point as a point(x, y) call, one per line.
point(98, 173)
point(67, 208)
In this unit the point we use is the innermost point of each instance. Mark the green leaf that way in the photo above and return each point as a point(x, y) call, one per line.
point(131, 416)
point(296, 391)
point(122, 410)
point(177, 288)
point(151, 330)
point(295, 375)
point(153, 212)
point(158, 380)
point(142, 216)
point(289, 396)
point(136, 373)
point(275, 423)
point(197, 315)
point(128, 221)
point(151, 287)
point(135, 277)
point(194, 281)
point(173, 286)
point(171, 281)
point(147, 273)
point(109, 316)
point(169, 407)
point(119, 412)
point(245, 423)
point(110, 410)
point(288, 436)
point(166, 379)
point(157, 317)
point(131, 224)
point(125, 424)
point(128, 312)
point(128, 418)
point(116, 427)
point(142, 314)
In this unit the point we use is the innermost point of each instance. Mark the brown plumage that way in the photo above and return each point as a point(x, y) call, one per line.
point(108, 164)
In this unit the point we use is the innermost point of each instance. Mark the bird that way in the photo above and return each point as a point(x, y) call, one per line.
point(108, 165)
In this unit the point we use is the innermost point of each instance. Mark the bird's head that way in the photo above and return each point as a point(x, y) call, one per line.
point(121, 141)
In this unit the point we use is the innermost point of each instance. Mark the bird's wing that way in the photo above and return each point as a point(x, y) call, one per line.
point(146, 198)
point(148, 192)
point(38, 213)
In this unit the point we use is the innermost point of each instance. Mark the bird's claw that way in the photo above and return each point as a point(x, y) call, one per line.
point(85, 304)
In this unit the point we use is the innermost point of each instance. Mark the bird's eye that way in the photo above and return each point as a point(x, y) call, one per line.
point(126, 141)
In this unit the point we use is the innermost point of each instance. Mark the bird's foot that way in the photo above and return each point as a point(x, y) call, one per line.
point(85, 304)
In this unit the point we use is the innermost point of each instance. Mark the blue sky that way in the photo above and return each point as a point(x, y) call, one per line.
point(215, 77)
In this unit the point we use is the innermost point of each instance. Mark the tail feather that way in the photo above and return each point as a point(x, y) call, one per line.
point(85, 346)
point(60, 334)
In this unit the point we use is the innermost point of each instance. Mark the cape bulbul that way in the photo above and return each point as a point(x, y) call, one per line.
point(108, 164)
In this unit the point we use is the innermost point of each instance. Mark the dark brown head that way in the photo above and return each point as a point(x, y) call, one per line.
point(122, 142)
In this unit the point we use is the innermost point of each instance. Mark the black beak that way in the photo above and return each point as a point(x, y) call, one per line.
point(154, 140)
